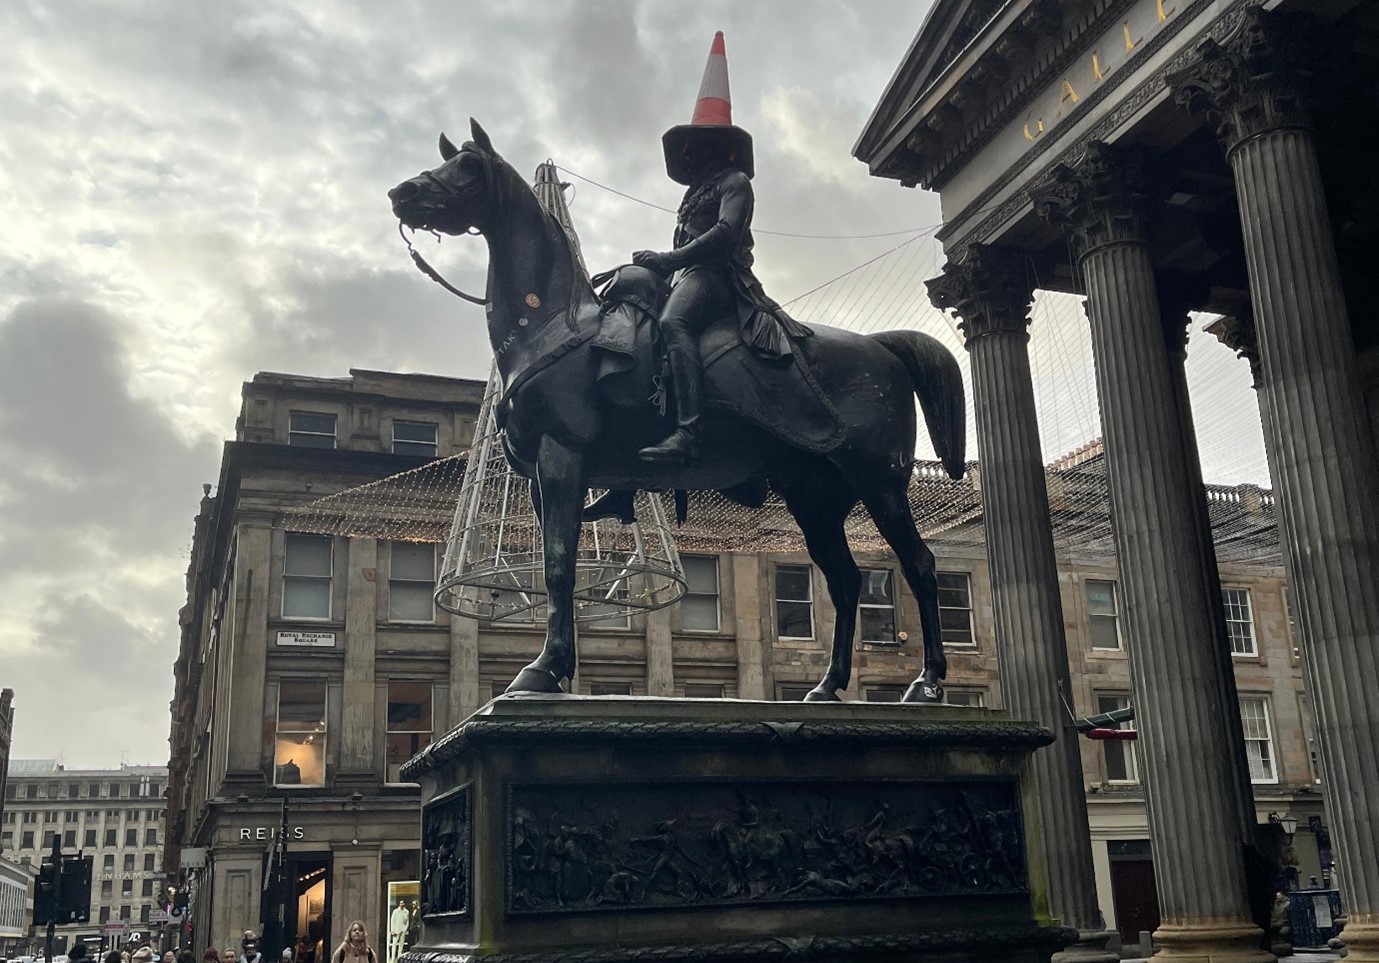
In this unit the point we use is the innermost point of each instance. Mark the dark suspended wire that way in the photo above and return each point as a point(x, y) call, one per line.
point(755, 230)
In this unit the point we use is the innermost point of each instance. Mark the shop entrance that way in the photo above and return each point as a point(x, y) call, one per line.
point(296, 909)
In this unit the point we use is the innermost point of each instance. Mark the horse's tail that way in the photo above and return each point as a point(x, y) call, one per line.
point(938, 385)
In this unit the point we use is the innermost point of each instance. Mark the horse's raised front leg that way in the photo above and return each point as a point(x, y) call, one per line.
point(560, 477)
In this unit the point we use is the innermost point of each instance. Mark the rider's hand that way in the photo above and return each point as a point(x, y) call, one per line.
point(654, 261)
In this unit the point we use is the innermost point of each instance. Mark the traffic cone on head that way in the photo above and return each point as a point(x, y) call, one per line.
point(713, 117)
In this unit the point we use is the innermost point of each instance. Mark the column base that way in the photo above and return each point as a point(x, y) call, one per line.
point(1361, 942)
point(1090, 948)
point(1227, 941)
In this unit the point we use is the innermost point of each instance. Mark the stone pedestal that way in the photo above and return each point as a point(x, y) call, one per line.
point(566, 828)
point(1254, 87)
point(990, 290)
point(1193, 789)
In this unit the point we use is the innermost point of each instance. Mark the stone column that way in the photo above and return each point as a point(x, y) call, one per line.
point(249, 659)
point(357, 723)
point(1191, 784)
point(1253, 87)
point(465, 697)
point(660, 661)
point(990, 290)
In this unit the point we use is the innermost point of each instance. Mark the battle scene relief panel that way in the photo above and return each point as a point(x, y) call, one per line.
point(578, 848)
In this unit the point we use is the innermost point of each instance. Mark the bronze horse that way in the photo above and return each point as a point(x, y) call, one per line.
point(567, 439)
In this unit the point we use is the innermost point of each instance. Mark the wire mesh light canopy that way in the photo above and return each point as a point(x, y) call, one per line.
point(493, 568)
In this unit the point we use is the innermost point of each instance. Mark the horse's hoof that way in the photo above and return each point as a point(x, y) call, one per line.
point(533, 679)
point(924, 692)
point(820, 694)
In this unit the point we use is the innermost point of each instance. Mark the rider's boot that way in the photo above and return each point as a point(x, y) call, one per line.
point(612, 504)
point(682, 446)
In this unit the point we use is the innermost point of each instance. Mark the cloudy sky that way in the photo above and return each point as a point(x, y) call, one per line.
point(194, 191)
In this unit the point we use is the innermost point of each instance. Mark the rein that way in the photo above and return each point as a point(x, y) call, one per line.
point(425, 268)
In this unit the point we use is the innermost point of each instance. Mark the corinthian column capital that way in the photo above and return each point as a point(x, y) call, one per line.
point(1257, 79)
point(1237, 332)
point(989, 289)
point(1098, 199)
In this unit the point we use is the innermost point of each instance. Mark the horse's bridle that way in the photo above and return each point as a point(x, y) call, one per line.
point(422, 264)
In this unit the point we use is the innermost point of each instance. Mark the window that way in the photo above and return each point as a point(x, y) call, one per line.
point(1120, 756)
point(790, 692)
point(114, 790)
point(89, 839)
point(409, 723)
point(143, 786)
point(414, 438)
point(131, 837)
point(144, 912)
point(794, 602)
point(878, 606)
point(48, 837)
point(146, 889)
point(108, 863)
point(26, 840)
point(111, 838)
point(105, 912)
point(311, 429)
point(974, 698)
point(126, 887)
point(11, 792)
point(613, 613)
point(412, 583)
point(50, 817)
point(69, 839)
point(150, 837)
point(93, 791)
point(299, 757)
point(32, 791)
point(703, 690)
point(883, 693)
point(699, 607)
point(7, 839)
point(148, 862)
point(955, 608)
point(73, 790)
point(1103, 614)
point(1292, 620)
point(30, 817)
point(107, 889)
point(124, 912)
point(131, 815)
point(1259, 744)
point(1239, 623)
point(71, 816)
point(156, 789)
point(306, 577)
point(610, 688)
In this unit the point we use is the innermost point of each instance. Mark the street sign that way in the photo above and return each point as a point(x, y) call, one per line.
point(156, 915)
point(114, 928)
point(193, 857)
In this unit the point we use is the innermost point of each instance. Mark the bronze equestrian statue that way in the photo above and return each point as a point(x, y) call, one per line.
point(823, 416)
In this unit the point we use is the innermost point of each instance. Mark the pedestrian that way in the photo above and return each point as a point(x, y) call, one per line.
point(229, 957)
point(114, 957)
point(288, 955)
point(212, 955)
point(186, 956)
point(77, 953)
point(143, 954)
point(170, 956)
point(355, 948)
point(250, 944)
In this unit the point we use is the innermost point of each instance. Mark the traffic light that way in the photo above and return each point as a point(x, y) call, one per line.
point(74, 890)
point(46, 889)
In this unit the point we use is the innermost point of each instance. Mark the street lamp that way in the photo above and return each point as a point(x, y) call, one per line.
point(1287, 822)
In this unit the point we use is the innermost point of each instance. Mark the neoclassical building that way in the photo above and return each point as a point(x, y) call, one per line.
point(1163, 157)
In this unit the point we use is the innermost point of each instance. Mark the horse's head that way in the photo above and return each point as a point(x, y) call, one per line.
point(457, 195)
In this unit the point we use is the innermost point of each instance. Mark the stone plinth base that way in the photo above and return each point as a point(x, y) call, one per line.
point(566, 828)
point(1226, 942)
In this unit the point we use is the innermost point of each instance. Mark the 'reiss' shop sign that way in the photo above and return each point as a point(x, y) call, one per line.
point(266, 833)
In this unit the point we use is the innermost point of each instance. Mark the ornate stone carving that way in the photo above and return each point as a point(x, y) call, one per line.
point(989, 289)
point(585, 848)
point(446, 855)
point(1098, 199)
point(1255, 79)
point(1237, 332)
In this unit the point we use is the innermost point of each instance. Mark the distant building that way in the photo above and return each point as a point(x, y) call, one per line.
point(6, 736)
point(16, 907)
point(113, 815)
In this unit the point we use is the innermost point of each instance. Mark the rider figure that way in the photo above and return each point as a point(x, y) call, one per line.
point(712, 257)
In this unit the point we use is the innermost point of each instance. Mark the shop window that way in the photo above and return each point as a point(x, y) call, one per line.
point(704, 690)
point(307, 576)
point(412, 582)
point(311, 429)
point(414, 438)
point(699, 607)
point(1119, 756)
point(1239, 620)
point(1103, 613)
point(877, 609)
point(794, 602)
point(299, 757)
point(955, 608)
point(1259, 742)
point(409, 723)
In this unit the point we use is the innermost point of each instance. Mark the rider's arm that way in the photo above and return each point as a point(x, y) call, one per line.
point(734, 217)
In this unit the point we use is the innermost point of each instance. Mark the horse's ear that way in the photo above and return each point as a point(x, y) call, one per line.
point(448, 150)
point(480, 136)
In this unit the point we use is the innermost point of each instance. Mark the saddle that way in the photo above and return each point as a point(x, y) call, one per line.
point(781, 397)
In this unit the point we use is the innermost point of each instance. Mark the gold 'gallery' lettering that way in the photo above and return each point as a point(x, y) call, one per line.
point(1069, 96)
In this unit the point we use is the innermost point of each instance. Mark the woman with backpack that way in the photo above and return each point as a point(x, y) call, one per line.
point(355, 948)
